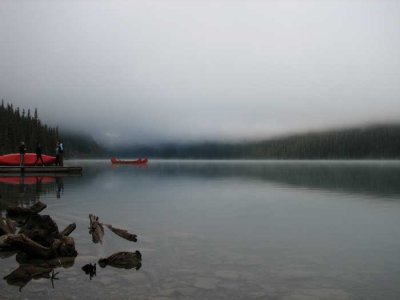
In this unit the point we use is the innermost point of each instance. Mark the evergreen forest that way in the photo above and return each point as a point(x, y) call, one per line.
point(370, 142)
point(19, 125)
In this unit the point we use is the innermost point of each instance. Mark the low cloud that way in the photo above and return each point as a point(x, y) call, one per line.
point(155, 71)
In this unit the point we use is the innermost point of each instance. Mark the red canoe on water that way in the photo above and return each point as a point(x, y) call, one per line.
point(30, 158)
point(140, 161)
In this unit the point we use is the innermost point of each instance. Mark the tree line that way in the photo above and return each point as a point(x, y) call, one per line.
point(18, 126)
point(372, 142)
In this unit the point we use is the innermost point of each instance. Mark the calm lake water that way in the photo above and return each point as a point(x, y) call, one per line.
point(224, 230)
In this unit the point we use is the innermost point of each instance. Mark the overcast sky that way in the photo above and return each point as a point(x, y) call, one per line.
point(149, 71)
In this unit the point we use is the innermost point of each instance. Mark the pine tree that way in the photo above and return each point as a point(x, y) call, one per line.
point(16, 127)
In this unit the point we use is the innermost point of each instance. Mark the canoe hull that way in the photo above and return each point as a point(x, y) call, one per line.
point(30, 159)
point(140, 161)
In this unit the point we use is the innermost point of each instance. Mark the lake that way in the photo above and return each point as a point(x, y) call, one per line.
point(223, 229)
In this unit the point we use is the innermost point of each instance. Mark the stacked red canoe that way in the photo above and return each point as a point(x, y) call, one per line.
point(29, 160)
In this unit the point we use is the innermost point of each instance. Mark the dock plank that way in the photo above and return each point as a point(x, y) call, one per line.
point(39, 169)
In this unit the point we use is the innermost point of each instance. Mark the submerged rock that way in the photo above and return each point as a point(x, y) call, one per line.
point(90, 269)
point(123, 260)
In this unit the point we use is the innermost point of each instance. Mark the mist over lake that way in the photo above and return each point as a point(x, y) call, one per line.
point(188, 71)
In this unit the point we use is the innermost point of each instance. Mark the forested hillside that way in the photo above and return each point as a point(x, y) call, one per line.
point(19, 125)
point(373, 142)
point(379, 141)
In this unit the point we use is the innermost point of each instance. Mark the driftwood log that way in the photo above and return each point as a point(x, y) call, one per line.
point(41, 229)
point(17, 211)
point(7, 226)
point(39, 237)
point(123, 260)
point(68, 230)
point(96, 229)
point(123, 233)
point(64, 247)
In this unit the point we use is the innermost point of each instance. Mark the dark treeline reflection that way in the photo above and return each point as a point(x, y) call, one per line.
point(27, 190)
point(24, 191)
point(375, 178)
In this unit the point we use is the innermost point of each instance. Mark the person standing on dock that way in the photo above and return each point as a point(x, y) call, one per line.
point(22, 151)
point(58, 154)
point(39, 154)
point(61, 153)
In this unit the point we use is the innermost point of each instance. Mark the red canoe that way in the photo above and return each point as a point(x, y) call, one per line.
point(140, 161)
point(26, 180)
point(30, 158)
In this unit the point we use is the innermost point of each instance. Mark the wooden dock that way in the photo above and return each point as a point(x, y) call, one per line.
point(40, 170)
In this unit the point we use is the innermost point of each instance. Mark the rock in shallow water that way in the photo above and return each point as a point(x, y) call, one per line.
point(124, 260)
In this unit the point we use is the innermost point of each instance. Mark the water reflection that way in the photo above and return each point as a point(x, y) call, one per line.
point(368, 177)
point(27, 190)
point(36, 269)
point(60, 186)
point(132, 166)
point(22, 194)
point(22, 180)
point(24, 191)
